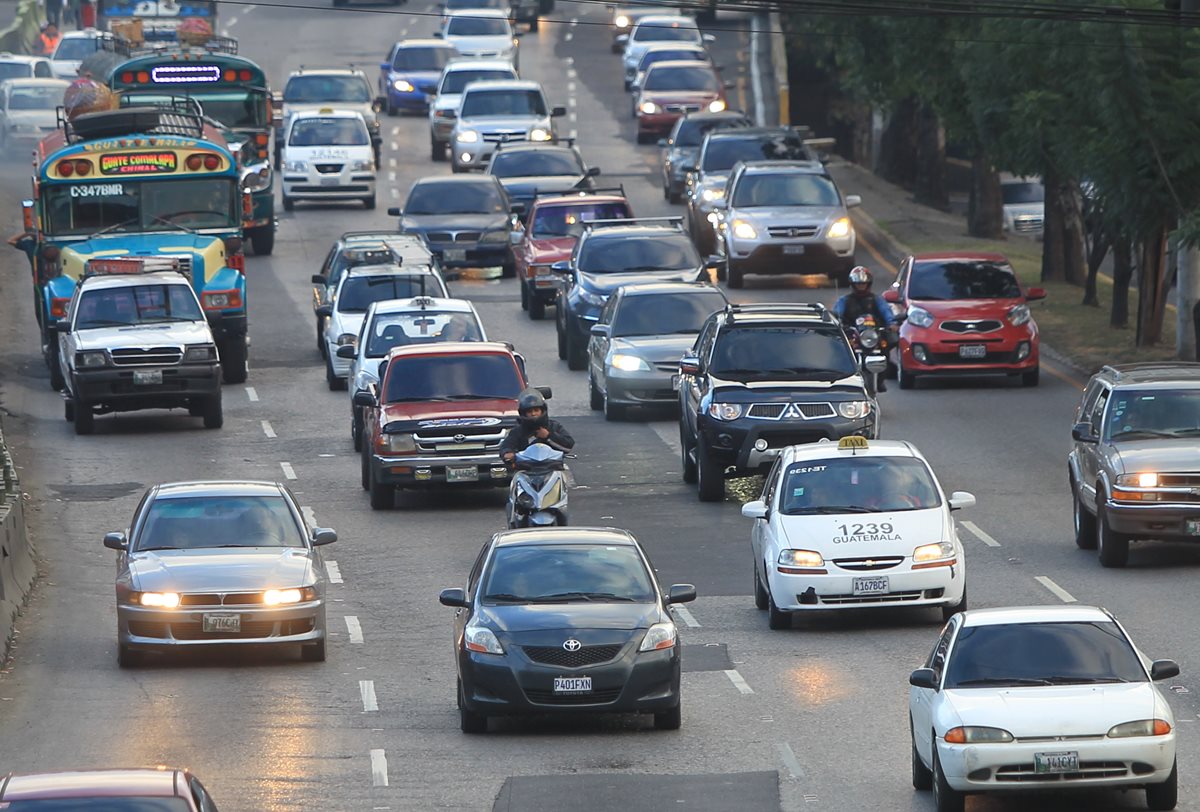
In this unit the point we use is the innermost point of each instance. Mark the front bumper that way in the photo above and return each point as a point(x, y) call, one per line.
point(656, 123)
point(343, 184)
point(415, 100)
point(542, 283)
point(731, 444)
point(936, 586)
point(114, 387)
point(655, 387)
point(1156, 521)
point(144, 628)
point(790, 256)
point(930, 350)
point(470, 255)
point(417, 470)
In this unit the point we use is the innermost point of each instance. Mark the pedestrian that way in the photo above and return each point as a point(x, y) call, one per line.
point(47, 41)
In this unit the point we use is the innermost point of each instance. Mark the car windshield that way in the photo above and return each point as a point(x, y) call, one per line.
point(785, 189)
point(1022, 654)
point(691, 131)
point(105, 803)
point(75, 48)
point(317, 88)
point(237, 108)
point(530, 163)
point(485, 376)
point(456, 5)
point(390, 330)
point(202, 522)
point(35, 98)
point(668, 77)
point(625, 254)
point(665, 32)
point(455, 198)
point(360, 292)
point(567, 573)
point(477, 27)
point(669, 54)
point(143, 304)
point(1135, 414)
point(800, 353)
point(567, 221)
point(947, 280)
point(14, 70)
point(425, 58)
point(329, 132)
point(455, 81)
point(480, 103)
point(722, 153)
point(659, 314)
point(1023, 193)
point(136, 205)
point(858, 484)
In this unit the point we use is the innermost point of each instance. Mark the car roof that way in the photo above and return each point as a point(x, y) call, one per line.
point(218, 487)
point(502, 84)
point(1050, 613)
point(452, 348)
point(414, 305)
point(303, 71)
point(667, 19)
point(537, 146)
point(751, 132)
point(564, 535)
point(581, 198)
point(708, 115)
point(679, 63)
point(127, 280)
point(477, 12)
point(968, 256)
point(478, 64)
point(1153, 372)
point(654, 288)
point(144, 782)
point(676, 45)
point(387, 269)
point(829, 449)
point(464, 180)
point(327, 112)
point(633, 230)
point(423, 42)
point(778, 167)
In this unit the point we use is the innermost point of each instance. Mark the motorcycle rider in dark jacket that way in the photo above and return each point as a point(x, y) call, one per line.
point(534, 426)
point(860, 301)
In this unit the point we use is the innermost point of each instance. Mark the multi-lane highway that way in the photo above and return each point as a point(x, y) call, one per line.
point(812, 718)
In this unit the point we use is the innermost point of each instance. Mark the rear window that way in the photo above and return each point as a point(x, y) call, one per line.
point(670, 54)
point(949, 280)
point(14, 70)
point(550, 573)
point(477, 27)
point(455, 81)
point(722, 153)
point(455, 198)
point(626, 254)
point(453, 377)
point(422, 59)
point(665, 32)
point(799, 353)
point(422, 327)
point(527, 163)
point(665, 313)
point(692, 130)
point(309, 89)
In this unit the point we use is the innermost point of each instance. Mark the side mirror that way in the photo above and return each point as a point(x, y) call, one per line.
point(662, 142)
point(593, 171)
point(601, 330)
point(323, 535)
point(924, 678)
point(1084, 433)
point(546, 391)
point(365, 399)
point(454, 597)
point(558, 112)
point(117, 541)
point(689, 365)
point(714, 261)
point(961, 499)
point(395, 211)
point(347, 351)
point(437, 34)
point(385, 65)
point(755, 510)
point(562, 266)
point(319, 279)
point(709, 37)
point(1034, 294)
point(876, 364)
point(681, 593)
point(325, 310)
point(892, 296)
point(689, 169)
point(853, 200)
point(1163, 669)
point(62, 326)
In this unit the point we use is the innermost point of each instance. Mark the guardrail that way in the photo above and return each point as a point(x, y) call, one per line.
point(22, 33)
point(17, 569)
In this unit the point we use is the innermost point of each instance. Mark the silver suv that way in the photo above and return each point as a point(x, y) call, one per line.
point(784, 217)
point(496, 111)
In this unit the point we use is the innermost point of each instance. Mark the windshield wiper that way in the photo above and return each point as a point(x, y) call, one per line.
point(475, 397)
point(115, 226)
point(1000, 681)
point(810, 372)
point(1065, 680)
point(103, 323)
point(153, 549)
point(166, 220)
point(418, 400)
point(1147, 432)
point(823, 509)
point(505, 597)
point(721, 373)
point(587, 596)
point(158, 319)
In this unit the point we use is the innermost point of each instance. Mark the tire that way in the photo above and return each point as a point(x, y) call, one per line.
point(777, 619)
point(1085, 524)
point(761, 598)
point(233, 360)
point(369, 203)
point(69, 410)
point(356, 429)
point(685, 452)
point(469, 721)
point(595, 398)
point(437, 150)
point(313, 653)
point(710, 479)
point(334, 383)
point(196, 408)
point(383, 496)
point(945, 797)
point(533, 25)
point(950, 611)
point(127, 657)
point(906, 379)
point(366, 469)
point(1165, 795)
point(288, 203)
point(213, 416)
point(643, 138)
point(1113, 547)
point(85, 418)
point(671, 195)
point(1030, 378)
point(57, 383)
point(669, 720)
point(391, 108)
point(922, 776)
point(509, 269)
point(613, 412)
point(524, 295)
point(262, 240)
point(562, 339)
point(734, 277)
point(576, 353)
point(537, 307)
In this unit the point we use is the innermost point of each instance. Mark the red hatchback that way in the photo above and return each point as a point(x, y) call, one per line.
point(964, 314)
point(147, 789)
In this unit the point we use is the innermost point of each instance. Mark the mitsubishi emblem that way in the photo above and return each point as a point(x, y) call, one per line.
point(572, 645)
point(792, 411)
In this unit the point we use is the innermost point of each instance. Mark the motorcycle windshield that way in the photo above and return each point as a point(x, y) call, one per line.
point(540, 454)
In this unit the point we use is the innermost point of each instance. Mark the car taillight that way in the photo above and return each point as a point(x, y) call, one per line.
point(58, 307)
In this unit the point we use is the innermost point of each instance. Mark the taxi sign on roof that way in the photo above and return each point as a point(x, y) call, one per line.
point(853, 443)
point(113, 266)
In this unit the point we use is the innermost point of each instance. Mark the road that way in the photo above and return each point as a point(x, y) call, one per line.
point(812, 718)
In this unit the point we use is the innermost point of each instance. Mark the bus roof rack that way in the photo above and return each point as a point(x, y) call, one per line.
point(634, 221)
point(167, 42)
point(143, 119)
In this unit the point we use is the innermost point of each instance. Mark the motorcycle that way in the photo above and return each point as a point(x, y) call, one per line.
point(871, 343)
point(537, 496)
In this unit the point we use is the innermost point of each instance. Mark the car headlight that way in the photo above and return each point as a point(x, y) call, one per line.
point(1143, 480)
point(928, 553)
point(399, 443)
point(1019, 315)
point(712, 195)
point(159, 600)
point(1142, 727)
point(295, 166)
point(807, 559)
point(724, 411)
point(347, 338)
point(594, 299)
point(628, 363)
point(279, 597)
point(854, 409)
point(200, 352)
point(658, 637)
point(716, 106)
point(540, 134)
point(403, 86)
point(494, 236)
point(481, 639)
point(920, 317)
point(649, 108)
point(621, 22)
point(90, 360)
point(743, 230)
point(363, 166)
point(977, 735)
point(839, 228)
point(467, 137)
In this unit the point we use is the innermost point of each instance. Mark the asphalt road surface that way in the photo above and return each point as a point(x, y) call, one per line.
point(812, 718)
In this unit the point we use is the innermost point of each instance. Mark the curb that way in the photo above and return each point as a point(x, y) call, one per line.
point(17, 569)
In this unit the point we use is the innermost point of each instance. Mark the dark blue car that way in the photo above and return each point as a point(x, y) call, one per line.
point(409, 76)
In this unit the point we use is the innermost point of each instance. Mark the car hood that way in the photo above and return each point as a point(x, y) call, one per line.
point(454, 222)
point(1018, 209)
point(241, 569)
point(607, 283)
point(1057, 710)
point(446, 101)
point(788, 215)
point(968, 309)
point(834, 534)
point(655, 349)
point(449, 414)
point(527, 187)
point(1157, 455)
point(519, 125)
point(547, 623)
point(474, 45)
point(680, 96)
point(552, 250)
point(33, 118)
point(178, 333)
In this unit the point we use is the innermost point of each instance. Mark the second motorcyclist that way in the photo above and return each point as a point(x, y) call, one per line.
point(534, 426)
point(861, 301)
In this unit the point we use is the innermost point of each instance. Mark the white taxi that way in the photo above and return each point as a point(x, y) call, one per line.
point(858, 524)
point(327, 155)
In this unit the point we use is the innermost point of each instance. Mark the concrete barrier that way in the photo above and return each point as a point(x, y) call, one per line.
point(17, 569)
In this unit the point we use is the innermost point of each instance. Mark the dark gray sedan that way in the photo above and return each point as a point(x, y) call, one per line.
point(217, 563)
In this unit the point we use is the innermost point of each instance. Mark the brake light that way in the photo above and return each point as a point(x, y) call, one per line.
point(58, 307)
point(143, 76)
point(230, 75)
point(66, 168)
point(261, 138)
point(127, 77)
point(83, 168)
point(211, 161)
point(245, 75)
point(194, 162)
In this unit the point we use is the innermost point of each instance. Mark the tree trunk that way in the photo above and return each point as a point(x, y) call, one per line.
point(1053, 234)
point(1095, 258)
point(1074, 236)
point(985, 210)
point(1122, 276)
point(898, 145)
point(1151, 276)
point(930, 183)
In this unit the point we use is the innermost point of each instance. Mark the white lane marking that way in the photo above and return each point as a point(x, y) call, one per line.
point(355, 629)
point(686, 616)
point(395, 131)
point(334, 572)
point(572, 73)
point(310, 515)
point(738, 681)
point(288, 470)
point(395, 145)
point(570, 60)
point(392, 162)
point(267, 430)
point(574, 21)
point(366, 688)
point(1058, 592)
point(395, 192)
point(979, 534)
point(574, 133)
point(571, 87)
point(789, 760)
point(567, 37)
point(756, 79)
point(252, 393)
point(378, 769)
point(391, 176)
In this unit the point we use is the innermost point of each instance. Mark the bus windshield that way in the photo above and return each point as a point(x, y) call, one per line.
point(237, 109)
point(141, 205)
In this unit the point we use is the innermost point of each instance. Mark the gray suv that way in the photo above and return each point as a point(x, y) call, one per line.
point(1134, 469)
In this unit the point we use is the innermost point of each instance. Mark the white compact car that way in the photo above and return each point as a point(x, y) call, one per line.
point(28, 111)
point(1035, 698)
point(443, 110)
point(856, 524)
point(327, 155)
point(481, 33)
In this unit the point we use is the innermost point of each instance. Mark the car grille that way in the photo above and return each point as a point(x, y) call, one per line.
point(868, 564)
point(185, 263)
point(681, 108)
point(984, 326)
point(601, 697)
point(217, 599)
point(147, 356)
point(793, 232)
point(891, 597)
point(452, 236)
point(496, 138)
point(1027, 223)
point(791, 411)
point(557, 655)
point(1179, 480)
point(778, 439)
point(328, 169)
point(1016, 773)
point(446, 441)
point(191, 630)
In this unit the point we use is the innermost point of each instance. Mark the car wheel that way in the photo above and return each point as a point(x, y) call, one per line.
point(922, 776)
point(576, 353)
point(1030, 378)
point(533, 25)
point(437, 150)
point(595, 398)
point(537, 307)
point(613, 412)
point(468, 720)
point(710, 478)
point(127, 657)
point(1085, 524)
point(951, 610)
point(562, 335)
point(69, 409)
point(314, 652)
point(391, 109)
point(288, 203)
point(214, 418)
point(685, 451)
point(524, 295)
point(734, 276)
point(233, 360)
point(777, 619)
point(356, 429)
point(366, 466)
point(1166, 794)
point(945, 797)
point(1113, 546)
point(761, 598)
point(321, 348)
point(85, 418)
point(383, 496)
point(669, 720)
point(262, 240)
point(907, 379)
point(334, 383)
point(57, 383)
point(672, 195)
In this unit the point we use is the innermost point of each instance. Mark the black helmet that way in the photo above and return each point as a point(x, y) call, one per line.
point(532, 399)
point(860, 275)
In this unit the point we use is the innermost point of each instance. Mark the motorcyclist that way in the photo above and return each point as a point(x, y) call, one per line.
point(860, 301)
point(533, 426)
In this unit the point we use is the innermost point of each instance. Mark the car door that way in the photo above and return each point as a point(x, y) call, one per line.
point(67, 342)
point(692, 387)
point(1090, 453)
point(1083, 457)
point(762, 534)
point(598, 345)
point(921, 700)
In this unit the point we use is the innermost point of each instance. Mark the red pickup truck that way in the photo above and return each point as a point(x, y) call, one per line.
point(437, 417)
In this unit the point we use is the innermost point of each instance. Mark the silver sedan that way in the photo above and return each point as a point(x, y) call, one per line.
point(219, 563)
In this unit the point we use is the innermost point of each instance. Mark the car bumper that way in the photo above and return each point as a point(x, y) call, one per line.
point(496, 685)
point(416, 100)
point(542, 282)
point(785, 256)
point(416, 470)
point(733, 444)
point(470, 255)
point(115, 388)
point(656, 123)
point(314, 185)
point(653, 388)
point(929, 350)
point(157, 628)
point(936, 586)
point(1161, 521)
point(1103, 762)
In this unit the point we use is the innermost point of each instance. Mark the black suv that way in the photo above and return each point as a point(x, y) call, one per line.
point(609, 254)
point(761, 377)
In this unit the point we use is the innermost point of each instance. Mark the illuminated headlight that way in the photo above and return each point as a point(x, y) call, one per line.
point(629, 363)
point(724, 411)
point(716, 106)
point(621, 22)
point(658, 637)
point(90, 360)
point(854, 409)
point(1142, 727)
point(711, 195)
point(1019, 315)
point(594, 299)
point(403, 86)
point(933, 552)
point(1146, 480)
point(649, 108)
point(807, 559)
point(977, 735)
point(540, 134)
point(400, 443)
point(920, 317)
point(467, 137)
point(347, 338)
point(743, 230)
point(839, 228)
point(363, 166)
point(200, 352)
point(494, 236)
point(158, 600)
point(481, 639)
point(295, 166)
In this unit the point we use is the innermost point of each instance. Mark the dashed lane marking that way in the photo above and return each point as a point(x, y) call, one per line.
point(252, 393)
point(267, 430)
point(392, 162)
point(974, 530)
point(391, 176)
point(288, 470)
point(395, 145)
point(334, 572)
point(366, 688)
point(1056, 590)
point(573, 133)
point(379, 776)
point(571, 87)
point(395, 131)
point(687, 617)
point(788, 757)
point(738, 681)
point(355, 629)
point(567, 37)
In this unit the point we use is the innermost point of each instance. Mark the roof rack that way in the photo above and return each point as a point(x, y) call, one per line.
point(130, 266)
point(511, 138)
point(143, 119)
point(788, 308)
point(601, 190)
point(634, 221)
point(166, 45)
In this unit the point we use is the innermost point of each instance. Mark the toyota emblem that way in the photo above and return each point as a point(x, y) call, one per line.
point(572, 645)
point(460, 438)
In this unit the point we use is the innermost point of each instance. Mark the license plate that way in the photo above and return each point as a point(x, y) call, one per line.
point(1056, 762)
point(147, 377)
point(454, 254)
point(874, 585)
point(972, 351)
point(572, 685)
point(1192, 527)
point(675, 382)
point(330, 181)
point(793, 249)
point(462, 473)
point(222, 623)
